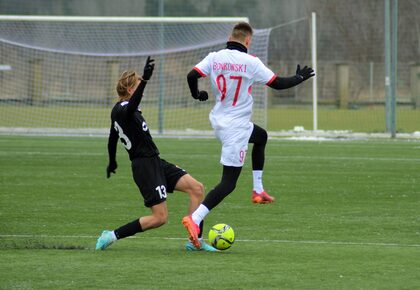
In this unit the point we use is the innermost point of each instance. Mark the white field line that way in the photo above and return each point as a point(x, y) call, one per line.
point(338, 243)
point(192, 156)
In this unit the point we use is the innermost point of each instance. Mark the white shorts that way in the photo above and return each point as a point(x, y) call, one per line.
point(234, 145)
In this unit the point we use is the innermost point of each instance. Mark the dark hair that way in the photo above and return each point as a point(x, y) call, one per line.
point(241, 30)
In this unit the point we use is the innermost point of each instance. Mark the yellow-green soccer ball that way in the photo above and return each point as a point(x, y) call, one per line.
point(221, 236)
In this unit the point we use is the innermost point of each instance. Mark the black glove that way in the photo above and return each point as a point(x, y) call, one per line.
point(148, 69)
point(305, 73)
point(202, 96)
point(112, 165)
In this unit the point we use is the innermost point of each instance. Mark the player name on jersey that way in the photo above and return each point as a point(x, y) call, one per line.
point(237, 67)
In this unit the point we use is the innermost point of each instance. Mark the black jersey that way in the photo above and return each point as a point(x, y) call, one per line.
point(133, 131)
point(129, 125)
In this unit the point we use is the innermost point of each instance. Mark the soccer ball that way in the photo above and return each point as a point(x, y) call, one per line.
point(221, 236)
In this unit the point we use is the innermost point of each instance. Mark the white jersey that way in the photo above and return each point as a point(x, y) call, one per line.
point(232, 74)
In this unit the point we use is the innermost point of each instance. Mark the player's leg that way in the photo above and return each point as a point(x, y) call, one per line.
point(226, 185)
point(150, 179)
point(234, 147)
point(259, 139)
point(195, 190)
point(178, 179)
point(158, 218)
point(213, 198)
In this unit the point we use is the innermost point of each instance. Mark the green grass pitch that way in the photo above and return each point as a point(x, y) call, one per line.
point(368, 119)
point(347, 216)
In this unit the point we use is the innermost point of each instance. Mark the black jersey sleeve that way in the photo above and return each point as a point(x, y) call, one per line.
point(288, 82)
point(192, 79)
point(112, 144)
point(280, 83)
point(135, 100)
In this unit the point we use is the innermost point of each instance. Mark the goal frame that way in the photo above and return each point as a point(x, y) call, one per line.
point(122, 19)
point(107, 19)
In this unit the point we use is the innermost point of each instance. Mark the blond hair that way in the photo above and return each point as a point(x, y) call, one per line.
point(127, 80)
point(241, 31)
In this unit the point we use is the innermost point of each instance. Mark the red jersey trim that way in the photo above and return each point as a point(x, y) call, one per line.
point(271, 80)
point(199, 71)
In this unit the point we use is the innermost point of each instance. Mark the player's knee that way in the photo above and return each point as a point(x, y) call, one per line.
point(196, 191)
point(264, 137)
point(160, 219)
point(199, 191)
point(259, 136)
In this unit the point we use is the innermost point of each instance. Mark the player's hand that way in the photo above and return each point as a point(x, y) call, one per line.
point(111, 168)
point(305, 73)
point(202, 96)
point(148, 69)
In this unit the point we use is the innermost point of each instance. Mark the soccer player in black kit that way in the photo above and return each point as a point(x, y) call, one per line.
point(154, 176)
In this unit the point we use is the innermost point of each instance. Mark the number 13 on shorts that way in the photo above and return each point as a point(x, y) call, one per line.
point(161, 189)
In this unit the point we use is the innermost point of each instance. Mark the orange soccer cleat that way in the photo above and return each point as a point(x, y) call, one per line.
point(193, 230)
point(262, 197)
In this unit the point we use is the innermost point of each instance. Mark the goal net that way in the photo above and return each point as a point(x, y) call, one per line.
point(58, 74)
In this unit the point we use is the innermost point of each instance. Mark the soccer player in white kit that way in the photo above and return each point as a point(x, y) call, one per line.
point(232, 73)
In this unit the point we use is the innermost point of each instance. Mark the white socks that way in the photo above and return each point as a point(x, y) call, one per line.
point(114, 237)
point(257, 177)
point(199, 214)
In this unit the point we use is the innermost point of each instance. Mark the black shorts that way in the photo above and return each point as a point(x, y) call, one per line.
point(155, 178)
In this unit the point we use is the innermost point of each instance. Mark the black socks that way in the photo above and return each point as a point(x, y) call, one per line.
point(227, 185)
point(129, 229)
point(259, 139)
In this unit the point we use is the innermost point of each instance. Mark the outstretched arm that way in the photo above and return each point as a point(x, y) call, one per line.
point(135, 100)
point(302, 75)
point(112, 152)
point(192, 79)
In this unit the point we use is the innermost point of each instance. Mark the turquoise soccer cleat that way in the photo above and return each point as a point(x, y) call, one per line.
point(204, 247)
point(105, 240)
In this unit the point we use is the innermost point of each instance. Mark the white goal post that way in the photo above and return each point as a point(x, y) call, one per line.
point(315, 79)
point(123, 19)
point(63, 70)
